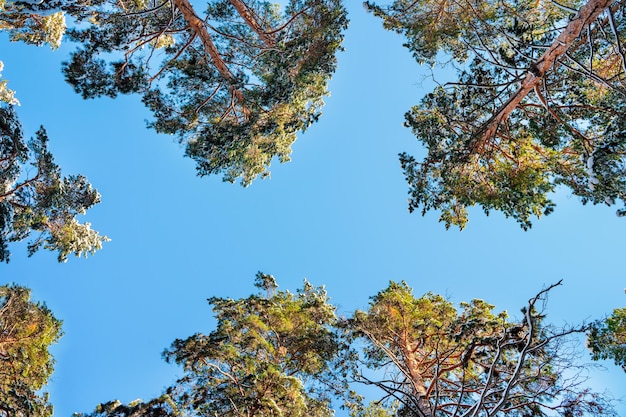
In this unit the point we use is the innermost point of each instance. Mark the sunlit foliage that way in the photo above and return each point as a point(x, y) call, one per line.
point(6, 95)
point(539, 102)
point(607, 338)
point(37, 201)
point(283, 354)
point(234, 86)
point(429, 358)
point(27, 330)
point(270, 355)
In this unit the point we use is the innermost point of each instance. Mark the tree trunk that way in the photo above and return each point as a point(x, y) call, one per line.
point(416, 377)
point(197, 25)
point(587, 14)
point(251, 21)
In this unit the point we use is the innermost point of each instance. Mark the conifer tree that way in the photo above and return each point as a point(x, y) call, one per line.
point(38, 201)
point(27, 330)
point(35, 22)
point(539, 102)
point(607, 338)
point(270, 355)
point(235, 85)
point(430, 359)
point(283, 354)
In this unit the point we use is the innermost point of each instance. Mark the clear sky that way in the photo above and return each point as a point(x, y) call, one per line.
point(336, 215)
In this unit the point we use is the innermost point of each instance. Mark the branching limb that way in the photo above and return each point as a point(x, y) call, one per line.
point(581, 21)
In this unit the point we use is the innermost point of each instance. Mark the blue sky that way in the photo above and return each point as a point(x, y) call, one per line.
point(336, 215)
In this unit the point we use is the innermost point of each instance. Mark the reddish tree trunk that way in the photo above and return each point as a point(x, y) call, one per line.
point(197, 25)
point(581, 21)
point(251, 21)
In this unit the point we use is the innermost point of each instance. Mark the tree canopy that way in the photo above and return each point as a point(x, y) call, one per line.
point(235, 86)
point(278, 354)
point(538, 103)
point(270, 355)
point(37, 23)
point(6, 94)
point(607, 338)
point(44, 204)
point(430, 359)
point(27, 329)
point(33, 23)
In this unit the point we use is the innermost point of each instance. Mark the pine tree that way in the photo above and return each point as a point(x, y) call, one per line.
point(234, 86)
point(539, 102)
point(607, 338)
point(430, 359)
point(270, 355)
point(27, 330)
point(45, 203)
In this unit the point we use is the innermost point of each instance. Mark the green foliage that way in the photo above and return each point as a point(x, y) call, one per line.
point(270, 355)
point(374, 409)
point(607, 338)
point(27, 329)
point(235, 91)
point(37, 23)
point(6, 95)
point(162, 406)
point(429, 358)
point(283, 354)
point(40, 22)
point(44, 29)
point(45, 204)
point(492, 138)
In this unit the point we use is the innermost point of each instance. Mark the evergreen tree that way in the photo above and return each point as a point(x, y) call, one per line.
point(27, 329)
point(270, 355)
point(235, 86)
point(429, 359)
point(44, 203)
point(539, 102)
point(607, 338)
point(284, 354)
